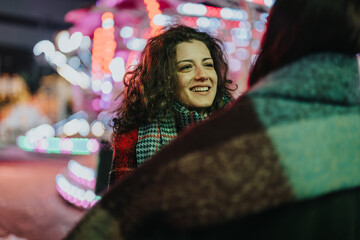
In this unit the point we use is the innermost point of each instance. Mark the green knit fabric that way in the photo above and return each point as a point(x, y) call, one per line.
point(317, 95)
point(153, 136)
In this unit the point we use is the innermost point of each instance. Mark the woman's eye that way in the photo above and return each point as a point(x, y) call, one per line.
point(186, 67)
point(209, 65)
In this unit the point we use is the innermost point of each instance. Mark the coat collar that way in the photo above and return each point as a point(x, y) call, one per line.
point(323, 77)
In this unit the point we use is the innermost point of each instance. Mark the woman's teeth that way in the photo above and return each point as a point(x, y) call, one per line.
point(199, 89)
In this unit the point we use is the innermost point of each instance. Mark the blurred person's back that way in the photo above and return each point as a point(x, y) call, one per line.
point(282, 163)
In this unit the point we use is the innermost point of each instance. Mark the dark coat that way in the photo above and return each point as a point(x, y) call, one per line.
point(283, 162)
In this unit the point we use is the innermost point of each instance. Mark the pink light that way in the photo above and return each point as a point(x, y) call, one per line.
point(42, 145)
point(213, 12)
point(95, 103)
point(261, 2)
point(93, 145)
point(66, 145)
point(85, 204)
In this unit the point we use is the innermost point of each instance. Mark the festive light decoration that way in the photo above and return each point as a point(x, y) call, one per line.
point(267, 3)
point(201, 10)
point(78, 196)
point(153, 9)
point(117, 68)
point(67, 43)
point(76, 146)
point(104, 46)
point(82, 175)
point(58, 59)
point(103, 51)
point(126, 32)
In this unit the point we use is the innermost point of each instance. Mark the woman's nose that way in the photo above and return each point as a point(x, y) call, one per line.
point(201, 74)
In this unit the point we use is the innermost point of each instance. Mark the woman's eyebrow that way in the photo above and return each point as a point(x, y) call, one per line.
point(185, 60)
point(189, 60)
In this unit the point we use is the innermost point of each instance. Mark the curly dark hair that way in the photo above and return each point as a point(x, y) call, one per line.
point(300, 27)
point(149, 88)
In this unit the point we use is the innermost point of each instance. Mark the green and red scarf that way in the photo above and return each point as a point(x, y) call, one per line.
point(153, 136)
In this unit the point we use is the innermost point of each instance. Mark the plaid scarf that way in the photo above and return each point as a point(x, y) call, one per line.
point(153, 136)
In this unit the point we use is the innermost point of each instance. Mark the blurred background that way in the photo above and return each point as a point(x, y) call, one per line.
point(61, 68)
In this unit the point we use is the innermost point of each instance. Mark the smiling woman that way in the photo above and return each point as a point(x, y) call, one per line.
point(196, 75)
point(180, 79)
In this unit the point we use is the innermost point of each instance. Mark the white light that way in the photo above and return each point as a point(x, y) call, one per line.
point(74, 77)
point(126, 32)
point(179, 8)
point(106, 97)
point(161, 19)
point(85, 57)
point(80, 194)
point(203, 22)
point(245, 25)
point(255, 44)
point(229, 47)
point(84, 127)
point(96, 85)
point(253, 58)
point(57, 58)
point(269, 3)
point(241, 33)
point(106, 87)
point(263, 17)
point(74, 62)
point(44, 46)
point(85, 43)
point(81, 171)
point(107, 23)
point(61, 182)
point(72, 127)
point(194, 9)
point(92, 145)
point(214, 23)
point(66, 145)
point(104, 116)
point(43, 144)
point(259, 26)
point(241, 42)
point(226, 13)
point(240, 14)
point(136, 44)
point(67, 43)
point(46, 130)
point(97, 128)
point(83, 80)
point(117, 69)
point(234, 64)
point(41, 131)
point(89, 196)
point(67, 73)
point(233, 14)
point(242, 54)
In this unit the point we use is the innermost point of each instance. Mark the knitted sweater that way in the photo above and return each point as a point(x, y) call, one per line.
point(282, 163)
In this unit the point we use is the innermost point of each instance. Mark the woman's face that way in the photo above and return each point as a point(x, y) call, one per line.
point(196, 74)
